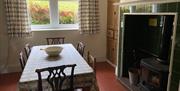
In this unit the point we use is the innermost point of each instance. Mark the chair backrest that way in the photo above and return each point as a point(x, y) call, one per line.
point(80, 48)
point(91, 61)
point(57, 77)
point(27, 50)
point(22, 60)
point(55, 40)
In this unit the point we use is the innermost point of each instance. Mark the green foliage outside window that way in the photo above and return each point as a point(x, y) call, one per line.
point(39, 11)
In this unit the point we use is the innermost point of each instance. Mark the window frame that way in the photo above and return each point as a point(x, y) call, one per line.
point(54, 20)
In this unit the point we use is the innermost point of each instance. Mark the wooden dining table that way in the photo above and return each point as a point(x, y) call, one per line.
point(84, 75)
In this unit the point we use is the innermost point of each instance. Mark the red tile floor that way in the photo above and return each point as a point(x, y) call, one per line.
point(104, 73)
point(8, 82)
point(106, 78)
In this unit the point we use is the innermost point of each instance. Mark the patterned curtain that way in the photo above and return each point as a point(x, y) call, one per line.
point(18, 24)
point(89, 16)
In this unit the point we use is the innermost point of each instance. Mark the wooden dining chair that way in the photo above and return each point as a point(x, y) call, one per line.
point(91, 61)
point(27, 50)
point(55, 40)
point(22, 60)
point(80, 48)
point(57, 77)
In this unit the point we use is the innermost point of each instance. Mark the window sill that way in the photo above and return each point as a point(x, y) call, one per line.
point(50, 28)
point(53, 29)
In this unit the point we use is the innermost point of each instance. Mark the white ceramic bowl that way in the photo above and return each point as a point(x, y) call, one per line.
point(53, 50)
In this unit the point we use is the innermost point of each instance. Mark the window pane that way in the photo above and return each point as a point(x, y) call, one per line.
point(39, 11)
point(68, 10)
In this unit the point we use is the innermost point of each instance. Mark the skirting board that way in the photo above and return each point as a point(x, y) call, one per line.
point(11, 69)
point(115, 67)
point(101, 59)
point(111, 63)
point(2, 69)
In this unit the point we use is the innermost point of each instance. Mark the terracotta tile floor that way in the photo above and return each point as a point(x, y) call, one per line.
point(8, 82)
point(105, 76)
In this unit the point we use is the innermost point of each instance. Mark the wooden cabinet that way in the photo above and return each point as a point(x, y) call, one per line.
point(112, 31)
point(112, 50)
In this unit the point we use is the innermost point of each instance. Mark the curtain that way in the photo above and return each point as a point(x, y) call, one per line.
point(18, 24)
point(88, 16)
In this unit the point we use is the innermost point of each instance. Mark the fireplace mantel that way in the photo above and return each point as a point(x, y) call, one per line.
point(141, 2)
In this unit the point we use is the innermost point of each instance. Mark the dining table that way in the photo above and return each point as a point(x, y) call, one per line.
point(84, 76)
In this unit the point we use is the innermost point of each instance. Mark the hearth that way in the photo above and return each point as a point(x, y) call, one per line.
point(154, 75)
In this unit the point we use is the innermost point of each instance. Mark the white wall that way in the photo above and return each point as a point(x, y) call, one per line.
point(95, 43)
point(3, 38)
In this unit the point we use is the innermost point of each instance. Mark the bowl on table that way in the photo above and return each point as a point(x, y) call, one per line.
point(53, 50)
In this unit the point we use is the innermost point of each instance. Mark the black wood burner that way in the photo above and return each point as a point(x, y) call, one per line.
point(154, 75)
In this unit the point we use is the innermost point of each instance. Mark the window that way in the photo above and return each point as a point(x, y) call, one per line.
point(52, 14)
point(39, 10)
point(67, 15)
